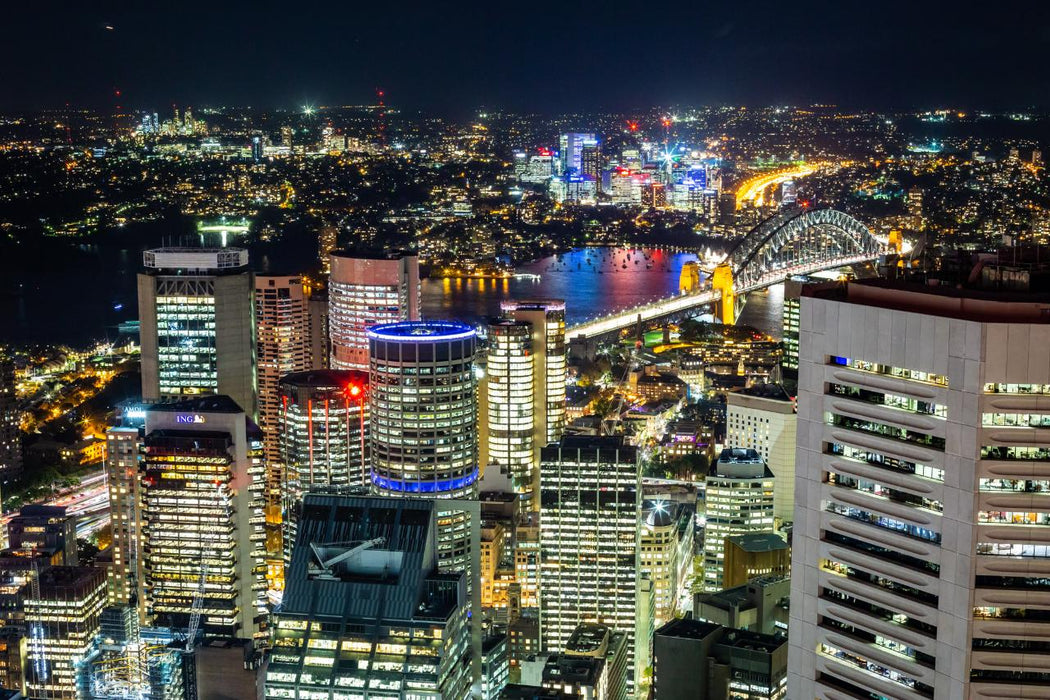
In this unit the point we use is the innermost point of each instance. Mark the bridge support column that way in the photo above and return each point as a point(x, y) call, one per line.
point(722, 281)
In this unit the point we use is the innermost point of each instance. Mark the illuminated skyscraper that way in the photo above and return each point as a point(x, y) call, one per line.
point(762, 418)
point(508, 426)
point(10, 417)
point(195, 309)
point(363, 292)
point(283, 347)
point(525, 390)
point(201, 517)
point(62, 614)
point(423, 403)
point(323, 439)
point(123, 447)
point(590, 488)
point(739, 502)
point(424, 410)
point(570, 151)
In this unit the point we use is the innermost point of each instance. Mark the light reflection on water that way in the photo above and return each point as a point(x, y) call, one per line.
point(592, 281)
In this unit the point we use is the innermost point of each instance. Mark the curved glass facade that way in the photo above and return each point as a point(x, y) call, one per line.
point(423, 408)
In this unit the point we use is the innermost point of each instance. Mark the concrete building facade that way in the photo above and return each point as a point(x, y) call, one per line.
point(920, 539)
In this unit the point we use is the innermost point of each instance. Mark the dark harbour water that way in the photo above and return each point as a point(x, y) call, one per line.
point(78, 294)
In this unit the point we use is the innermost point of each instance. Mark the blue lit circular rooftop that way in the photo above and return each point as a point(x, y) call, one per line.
point(422, 331)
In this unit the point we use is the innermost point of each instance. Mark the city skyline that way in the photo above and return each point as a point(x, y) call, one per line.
point(359, 402)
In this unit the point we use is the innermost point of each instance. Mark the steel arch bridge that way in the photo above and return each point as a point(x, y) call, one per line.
point(791, 242)
point(796, 237)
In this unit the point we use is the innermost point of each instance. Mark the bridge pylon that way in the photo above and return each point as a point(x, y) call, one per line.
point(722, 281)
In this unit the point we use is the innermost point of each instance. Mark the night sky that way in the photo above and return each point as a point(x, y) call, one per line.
point(453, 58)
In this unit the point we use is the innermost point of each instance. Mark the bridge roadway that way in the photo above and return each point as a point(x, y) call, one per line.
point(619, 320)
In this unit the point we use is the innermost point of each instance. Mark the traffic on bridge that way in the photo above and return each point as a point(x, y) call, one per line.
point(792, 242)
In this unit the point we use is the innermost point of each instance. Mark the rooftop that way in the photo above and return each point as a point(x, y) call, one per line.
point(215, 403)
point(326, 378)
point(758, 542)
point(1009, 285)
point(587, 638)
point(195, 259)
point(775, 392)
point(421, 331)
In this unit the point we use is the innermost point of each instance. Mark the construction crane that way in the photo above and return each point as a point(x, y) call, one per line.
point(36, 631)
point(343, 551)
point(195, 609)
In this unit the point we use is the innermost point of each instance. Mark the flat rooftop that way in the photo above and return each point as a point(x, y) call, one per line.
point(964, 303)
point(424, 331)
point(212, 403)
point(759, 542)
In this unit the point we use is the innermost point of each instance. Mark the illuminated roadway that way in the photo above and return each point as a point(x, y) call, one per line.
point(753, 189)
point(619, 320)
point(89, 502)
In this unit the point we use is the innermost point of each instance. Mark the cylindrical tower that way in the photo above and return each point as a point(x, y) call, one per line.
point(510, 405)
point(423, 402)
point(323, 438)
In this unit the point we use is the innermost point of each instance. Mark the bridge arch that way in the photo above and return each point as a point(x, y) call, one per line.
point(799, 237)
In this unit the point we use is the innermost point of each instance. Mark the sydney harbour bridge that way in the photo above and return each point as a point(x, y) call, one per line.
point(792, 242)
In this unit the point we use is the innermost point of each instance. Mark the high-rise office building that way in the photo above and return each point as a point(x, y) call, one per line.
point(591, 164)
point(45, 529)
point(320, 347)
point(739, 502)
point(570, 151)
point(202, 517)
point(323, 439)
point(423, 408)
point(282, 332)
point(920, 555)
point(366, 611)
point(123, 449)
point(508, 427)
point(547, 318)
point(789, 361)
point(423, 401)
point(364, 292)
point(590, 490)
point(526, 365)
point(762, 418)
point(62, 612)
point(10, 418)
point(197, 325)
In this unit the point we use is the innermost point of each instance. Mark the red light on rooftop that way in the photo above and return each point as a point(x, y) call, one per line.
point(353, 390)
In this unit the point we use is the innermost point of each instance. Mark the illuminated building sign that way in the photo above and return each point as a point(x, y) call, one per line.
point(194, 418)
